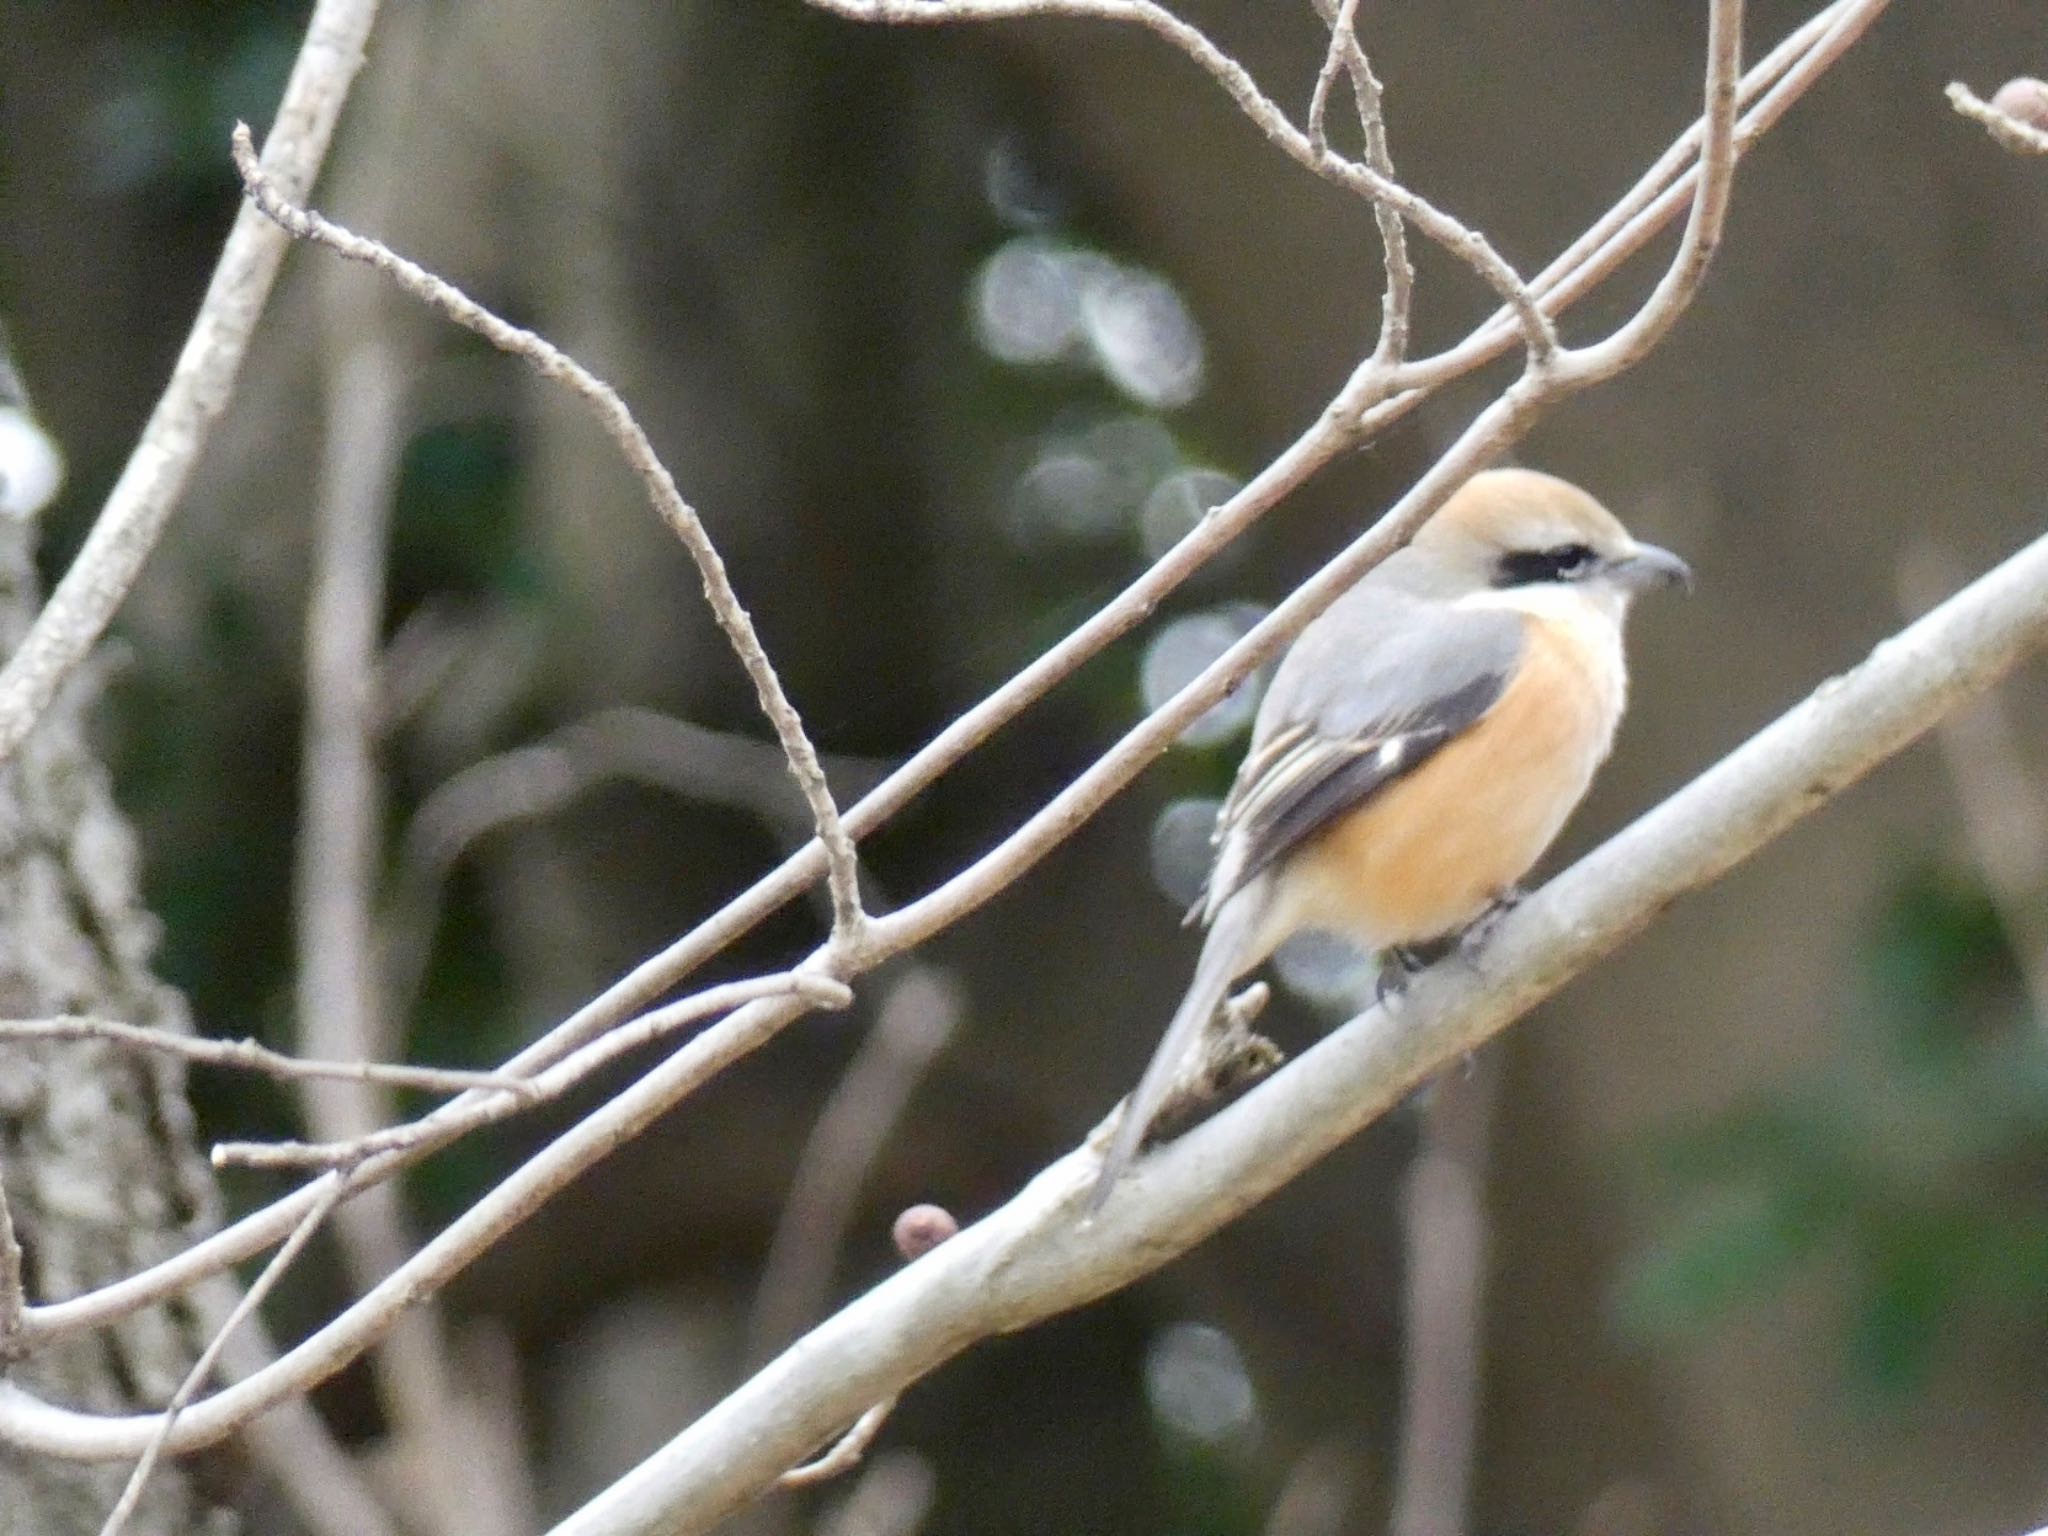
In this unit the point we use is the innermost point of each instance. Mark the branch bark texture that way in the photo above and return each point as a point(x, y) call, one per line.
point(102, 1174)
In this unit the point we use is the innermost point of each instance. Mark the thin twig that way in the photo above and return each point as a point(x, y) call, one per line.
point(617, 419)
point(2010, 131)
point(253, 1056)
point(200, 386)
point(1342, 31)
point(846, 1453)
point(1369, 98)
point(1468, 245)
point(1631, 341)
point(460, 1118)
point(539, 778)
point(917, 1017)
point(202, 1368)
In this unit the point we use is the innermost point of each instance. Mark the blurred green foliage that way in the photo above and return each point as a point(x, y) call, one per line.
point(176, 83)
point(1908, 1159)
point(455, 530)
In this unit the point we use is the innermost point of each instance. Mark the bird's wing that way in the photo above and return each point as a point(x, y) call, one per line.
point(1366, 696)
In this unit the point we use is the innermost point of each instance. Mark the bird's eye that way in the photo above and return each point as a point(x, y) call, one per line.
point(1565, 562)
point(1572, 560)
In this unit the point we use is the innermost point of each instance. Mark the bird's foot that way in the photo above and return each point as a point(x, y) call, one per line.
point(1397, 966)
point(1401, 963)
point(1482, 927)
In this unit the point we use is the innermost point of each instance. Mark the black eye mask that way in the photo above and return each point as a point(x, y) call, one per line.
point(1526, 567)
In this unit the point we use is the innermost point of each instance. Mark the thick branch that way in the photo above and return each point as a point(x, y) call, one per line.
point(1036, 1257)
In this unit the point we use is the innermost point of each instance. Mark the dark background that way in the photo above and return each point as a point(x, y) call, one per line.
point(1769, 1192)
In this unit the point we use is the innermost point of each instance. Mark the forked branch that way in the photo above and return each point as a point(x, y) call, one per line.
point(617, 419)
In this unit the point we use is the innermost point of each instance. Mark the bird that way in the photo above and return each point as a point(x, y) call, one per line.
point(1422, 743)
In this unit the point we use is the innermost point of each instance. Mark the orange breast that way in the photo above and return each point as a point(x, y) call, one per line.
point(1429, 853)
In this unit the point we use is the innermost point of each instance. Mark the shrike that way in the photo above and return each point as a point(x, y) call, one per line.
point(1422, 743)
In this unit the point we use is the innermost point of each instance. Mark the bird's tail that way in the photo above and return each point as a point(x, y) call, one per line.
point(1224, 959)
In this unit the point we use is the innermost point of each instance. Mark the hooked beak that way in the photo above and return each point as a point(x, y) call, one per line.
point(1651, 568)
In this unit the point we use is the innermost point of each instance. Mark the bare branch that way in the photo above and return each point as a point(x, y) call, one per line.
point(1779, 80)
point(845, 1455)
point(202, 1368)
point(13, 1297)
point(617, 419)
point(252, 1056)
point(340, 1004)
point(1035, 1257)
point(1633, 340)
point(260, 1229)
point(1343, 31)
point(916, 1019)
point(1318, 1487)
point(539, 778)
point(470, 1113)
point(1468, 245)
point(2016, 118)
point(157, 471)
point(1443, 1227)
point(1395, 305)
